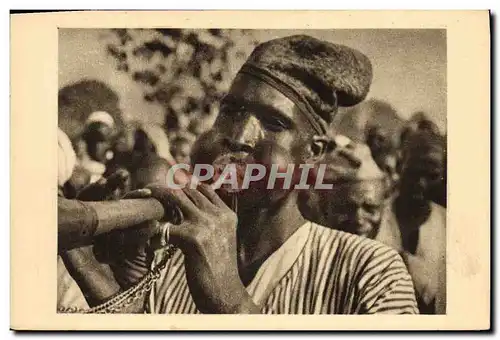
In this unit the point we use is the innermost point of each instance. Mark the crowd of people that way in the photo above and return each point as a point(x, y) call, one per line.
point(374, 243)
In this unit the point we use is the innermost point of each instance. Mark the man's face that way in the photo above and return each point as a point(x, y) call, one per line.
point(99, 141)
point(256, 124)
point(354, 207)
point(99, 150)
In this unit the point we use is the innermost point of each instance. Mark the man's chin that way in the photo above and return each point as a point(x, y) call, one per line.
point(250, 198)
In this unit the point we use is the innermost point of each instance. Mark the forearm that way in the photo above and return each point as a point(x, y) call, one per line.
point(96, 280)
point(241, 303)
point(248, 307)
point(79, 222)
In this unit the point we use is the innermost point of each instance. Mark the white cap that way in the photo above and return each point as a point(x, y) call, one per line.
point(101, 117)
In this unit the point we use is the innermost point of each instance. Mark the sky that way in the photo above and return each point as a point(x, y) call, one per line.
point(409, 67)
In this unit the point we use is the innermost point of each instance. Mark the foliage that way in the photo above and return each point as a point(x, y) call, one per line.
point(186, 71)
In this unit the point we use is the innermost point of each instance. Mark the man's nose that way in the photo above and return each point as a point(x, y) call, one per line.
point(359, 215)
point(245, 135)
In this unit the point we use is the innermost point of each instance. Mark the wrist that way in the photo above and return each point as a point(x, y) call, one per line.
point(245, 305)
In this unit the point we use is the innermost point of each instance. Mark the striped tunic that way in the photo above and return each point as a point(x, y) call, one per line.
point(316, 271)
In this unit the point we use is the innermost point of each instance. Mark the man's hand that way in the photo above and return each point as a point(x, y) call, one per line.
point(127, 251)
point(207, 237)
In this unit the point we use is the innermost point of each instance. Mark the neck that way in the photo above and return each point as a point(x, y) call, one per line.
point(263, 230)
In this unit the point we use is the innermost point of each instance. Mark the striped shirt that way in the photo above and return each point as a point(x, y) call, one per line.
point(316, 271)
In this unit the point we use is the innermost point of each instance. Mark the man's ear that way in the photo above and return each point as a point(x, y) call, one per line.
point(320, 146)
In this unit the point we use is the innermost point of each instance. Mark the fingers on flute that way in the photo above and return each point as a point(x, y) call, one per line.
point(171, 198)
point(139, 193)
point(201, 201)
point(210, 193)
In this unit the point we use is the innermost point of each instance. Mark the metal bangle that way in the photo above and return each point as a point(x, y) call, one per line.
point(165, 234)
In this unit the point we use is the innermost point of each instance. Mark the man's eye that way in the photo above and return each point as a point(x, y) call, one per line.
point(274, 124)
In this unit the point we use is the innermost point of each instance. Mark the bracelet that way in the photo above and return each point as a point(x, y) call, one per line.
point(165, 234)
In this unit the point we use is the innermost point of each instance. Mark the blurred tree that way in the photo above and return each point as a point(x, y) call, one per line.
point(186, 71)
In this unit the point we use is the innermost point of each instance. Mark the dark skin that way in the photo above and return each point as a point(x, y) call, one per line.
point(79, 179)
point(96, 279)
point(255, 116)
point(223, 250)
point(99, 138)
point(181, 150)
point(143, 145)
point(420, 168)
point(354, 207)
point(151, 169)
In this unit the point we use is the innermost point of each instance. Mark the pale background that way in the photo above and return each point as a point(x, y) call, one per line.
point(409, 67)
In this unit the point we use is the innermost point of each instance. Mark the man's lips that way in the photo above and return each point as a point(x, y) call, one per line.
point(240, 162)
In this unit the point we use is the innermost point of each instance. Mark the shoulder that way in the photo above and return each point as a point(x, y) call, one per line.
point(353, 250)
point(350, 243)
point(373, 272)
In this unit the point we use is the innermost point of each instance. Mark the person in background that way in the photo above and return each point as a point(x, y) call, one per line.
point(97, 138)
point(421, 124)
point(438, 189)
point(68, 292)
point(416, 226)
point(384, 154)
point(112, 264)
point(151, 169)
point(418, 122)
point(150, 154)
point(79, 179)
point(181, 148)
point(151, 140)
point(66, 160)
point(357, 200)
point(122, 148)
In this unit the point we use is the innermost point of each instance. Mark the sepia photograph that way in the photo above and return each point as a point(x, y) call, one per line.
point(252, 171)
point(368, 105)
